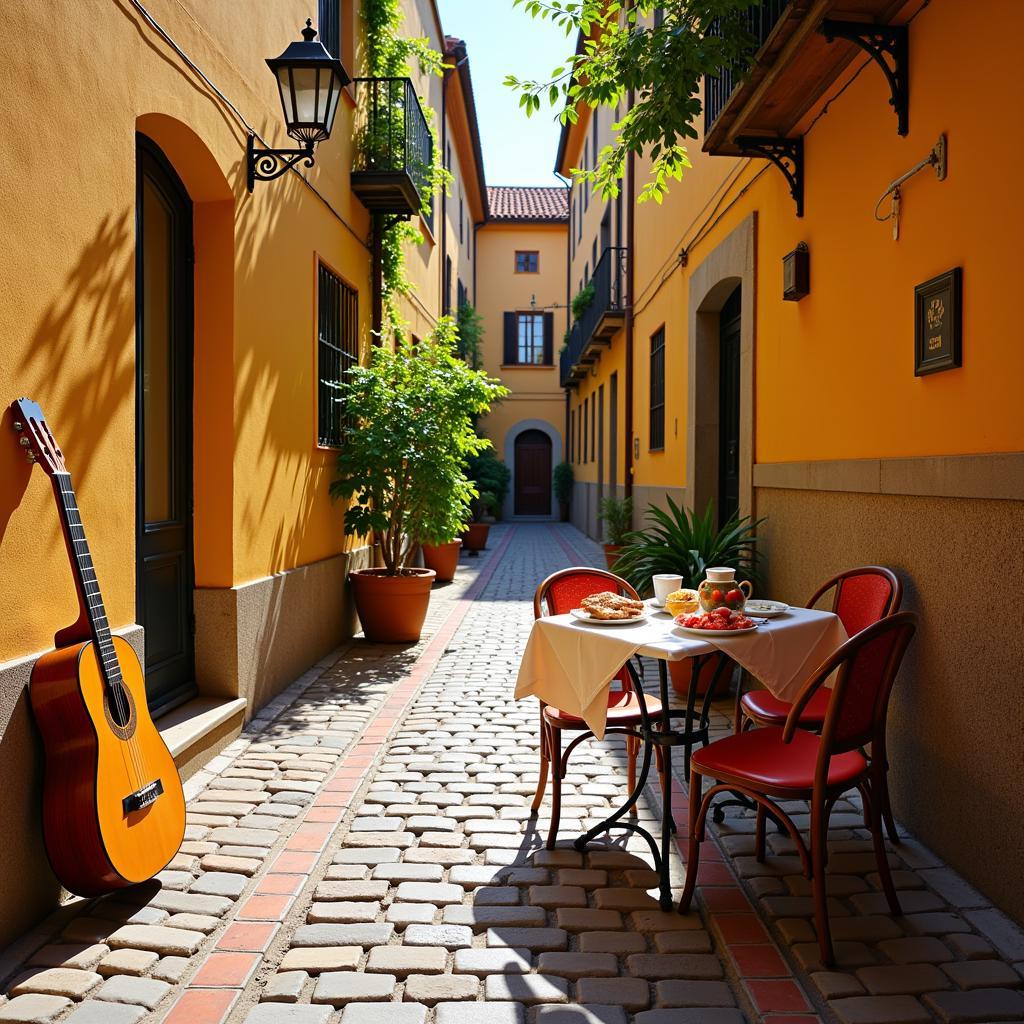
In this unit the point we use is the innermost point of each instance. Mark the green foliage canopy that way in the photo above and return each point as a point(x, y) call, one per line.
point(404, 459)
point(661, 66)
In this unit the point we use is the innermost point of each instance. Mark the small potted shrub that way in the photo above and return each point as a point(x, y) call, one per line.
point(402, 470)
point(683, 543)
point(492, 477)
point(475, 537)
point(562, 481)
point(617, 516)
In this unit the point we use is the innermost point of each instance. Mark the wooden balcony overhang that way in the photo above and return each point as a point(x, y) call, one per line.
point(390, 192)
point(792, 71)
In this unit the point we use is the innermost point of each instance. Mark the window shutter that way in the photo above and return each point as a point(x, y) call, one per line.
point(510, 339)
point(549, 339)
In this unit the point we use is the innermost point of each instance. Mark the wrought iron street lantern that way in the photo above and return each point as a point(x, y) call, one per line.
point(310, 81)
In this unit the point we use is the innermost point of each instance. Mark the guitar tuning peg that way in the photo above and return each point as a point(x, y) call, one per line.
point(24, 442)
point(18, 426)
point(30, 457)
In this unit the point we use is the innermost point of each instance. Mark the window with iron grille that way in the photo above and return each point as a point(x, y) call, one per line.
point(329, 26)
point(337, 350)
point(527, 262)
point(586, 414)
point(657, 404)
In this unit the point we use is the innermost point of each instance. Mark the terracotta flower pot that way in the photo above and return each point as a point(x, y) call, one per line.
point(443, 559)
point(391, 609)
point(611, 555)
point(475, 538)
point(681, 671)
point(563, 511)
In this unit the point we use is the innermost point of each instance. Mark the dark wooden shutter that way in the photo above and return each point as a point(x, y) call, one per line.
point(510, 340)
point(549, 339)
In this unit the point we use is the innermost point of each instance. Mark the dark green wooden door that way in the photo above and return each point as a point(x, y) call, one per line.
point(164, 328)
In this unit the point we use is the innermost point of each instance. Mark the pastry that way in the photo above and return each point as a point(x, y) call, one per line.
point(682, 602)
point(607, 605)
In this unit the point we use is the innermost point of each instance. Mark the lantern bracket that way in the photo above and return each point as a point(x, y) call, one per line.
point(888, 47)
point(268, 164)
point(786, 154)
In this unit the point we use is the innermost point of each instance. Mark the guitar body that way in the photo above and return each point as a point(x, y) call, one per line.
point(100, 751)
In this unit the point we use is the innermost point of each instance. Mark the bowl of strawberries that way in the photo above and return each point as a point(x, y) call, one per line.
point(720, 622)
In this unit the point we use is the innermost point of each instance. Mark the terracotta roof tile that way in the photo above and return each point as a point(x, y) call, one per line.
point(517, 202)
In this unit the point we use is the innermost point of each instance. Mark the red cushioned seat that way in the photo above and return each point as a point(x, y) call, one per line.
point(761, 757)
point(765, 709)
point(623, 709)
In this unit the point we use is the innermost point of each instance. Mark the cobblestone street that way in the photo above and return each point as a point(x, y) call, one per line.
point(364, 853)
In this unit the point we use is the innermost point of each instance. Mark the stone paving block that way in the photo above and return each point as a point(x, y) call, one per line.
point(557, 896)
point(191, 903)
point(693, 993)
point(916, 950)
point(480, 1013)
point(581, 1015)
point(373, 840)
point(1006, 936)
point(496, 896)
point(483, 962)
point(157, 938)
point(935, 924)
point(682, 942)
point(526, 988)
point(95, 1012)
point(343, 935)
point(405, 960)
point(351, 891)
point(983, 974)
point(589, 920)
point(274, 1013)
point(449, 936)
point(126, 961)
point(343, 913)
point(239, 865)
point(904, 979)
point(537, 939)
point(431, 989)
point(316, 959)
point(980, 1004)
point(619, 943)
point(193, 922)
point(139, 991)
point(384, 1013)
point(33, 1009)
point(170, 968)
point(629, 993)
point(84, 956)
point(402, 914)
point(285, 987)
point(56, 981)
point(446, 858)
point(480, 918)
point(701, 1016)
point(970, 946)
point(340, 987)
point(880, 1010)
point(578, 965)
point(406, 872)
point(386, 855)
point(429, 892)
point(837, 984)
point(662, 966)
point(220, 883)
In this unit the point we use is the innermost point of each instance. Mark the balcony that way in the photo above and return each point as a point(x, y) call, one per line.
point(601, 319)
point(794, 65)
point(393, 147)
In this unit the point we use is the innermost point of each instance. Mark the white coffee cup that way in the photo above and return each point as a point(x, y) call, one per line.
point(664, 584)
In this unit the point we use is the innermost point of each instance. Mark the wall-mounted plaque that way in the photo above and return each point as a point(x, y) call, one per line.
point(938, 323)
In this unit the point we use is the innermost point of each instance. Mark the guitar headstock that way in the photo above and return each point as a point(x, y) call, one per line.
point(35, 436)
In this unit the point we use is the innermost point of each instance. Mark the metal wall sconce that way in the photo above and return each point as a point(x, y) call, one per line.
point(796, 273)
point(310, 81)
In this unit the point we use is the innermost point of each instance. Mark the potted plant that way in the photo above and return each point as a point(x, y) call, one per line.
point(490, 476)
point(474, 538)
point(443, 558)
point(617, 516)
point(684, 543)
point(402, 470)
point(562, 480)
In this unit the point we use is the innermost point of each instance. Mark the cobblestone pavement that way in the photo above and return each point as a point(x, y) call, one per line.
point(364, 854)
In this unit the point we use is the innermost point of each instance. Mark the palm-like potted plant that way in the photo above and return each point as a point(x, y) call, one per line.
point(683, 543)
point(402, 468)
point(617, 516)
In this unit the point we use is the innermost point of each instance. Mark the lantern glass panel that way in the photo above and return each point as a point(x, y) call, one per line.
point(304, 82)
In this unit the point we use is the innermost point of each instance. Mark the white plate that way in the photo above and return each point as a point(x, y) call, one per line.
point(585, 616)
point(656, 609)
point(766, 608)
point(714, 632)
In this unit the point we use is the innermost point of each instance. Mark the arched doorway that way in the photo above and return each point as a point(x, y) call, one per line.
point(532, 475)
point(164, 340)
point(729, 407)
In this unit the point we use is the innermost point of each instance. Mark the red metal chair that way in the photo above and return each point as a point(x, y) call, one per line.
point(558, 594)
point(793, 764)
point(861, 597)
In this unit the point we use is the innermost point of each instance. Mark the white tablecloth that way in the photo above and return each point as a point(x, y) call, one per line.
point(570, 664)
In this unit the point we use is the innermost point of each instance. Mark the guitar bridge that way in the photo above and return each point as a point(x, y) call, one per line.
point(142, 797)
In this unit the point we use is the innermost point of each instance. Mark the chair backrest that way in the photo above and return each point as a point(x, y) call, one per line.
point(563, 590)
point(862, 596)
point(867, 665)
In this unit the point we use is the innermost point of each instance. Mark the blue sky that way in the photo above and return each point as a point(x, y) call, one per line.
point(502, 40)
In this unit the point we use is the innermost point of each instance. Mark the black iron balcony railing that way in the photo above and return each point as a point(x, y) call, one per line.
point(605, 314)
point(759, 22)
point(393, 147)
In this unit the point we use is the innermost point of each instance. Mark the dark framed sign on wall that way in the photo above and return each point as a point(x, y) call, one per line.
point(938, 323)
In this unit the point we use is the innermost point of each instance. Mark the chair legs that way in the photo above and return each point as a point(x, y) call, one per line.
point(632, 749)
point(557, 774)
point(542, 778)
point(878, 801)
point(886, 808)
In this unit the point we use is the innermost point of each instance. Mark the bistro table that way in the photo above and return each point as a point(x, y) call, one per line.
point(570, 663)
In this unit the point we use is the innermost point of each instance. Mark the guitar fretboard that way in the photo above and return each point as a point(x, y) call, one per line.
point(85, 575)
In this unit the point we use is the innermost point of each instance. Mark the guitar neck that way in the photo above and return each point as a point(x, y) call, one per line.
point(85, 575)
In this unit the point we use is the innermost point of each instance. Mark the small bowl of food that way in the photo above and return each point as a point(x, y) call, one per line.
point(682, 602)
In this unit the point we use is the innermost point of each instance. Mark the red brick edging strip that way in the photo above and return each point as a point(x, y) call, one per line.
point(218, 984)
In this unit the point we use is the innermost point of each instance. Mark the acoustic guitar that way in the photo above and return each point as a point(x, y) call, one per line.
point(113, 807)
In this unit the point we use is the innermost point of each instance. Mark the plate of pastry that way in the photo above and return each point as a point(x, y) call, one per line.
point(609, 609)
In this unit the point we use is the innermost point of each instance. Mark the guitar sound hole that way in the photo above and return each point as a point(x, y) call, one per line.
point(120, 711)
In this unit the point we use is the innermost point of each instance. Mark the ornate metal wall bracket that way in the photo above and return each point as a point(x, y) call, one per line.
point(268, 164)
point(889, 47)
point(786, 154)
